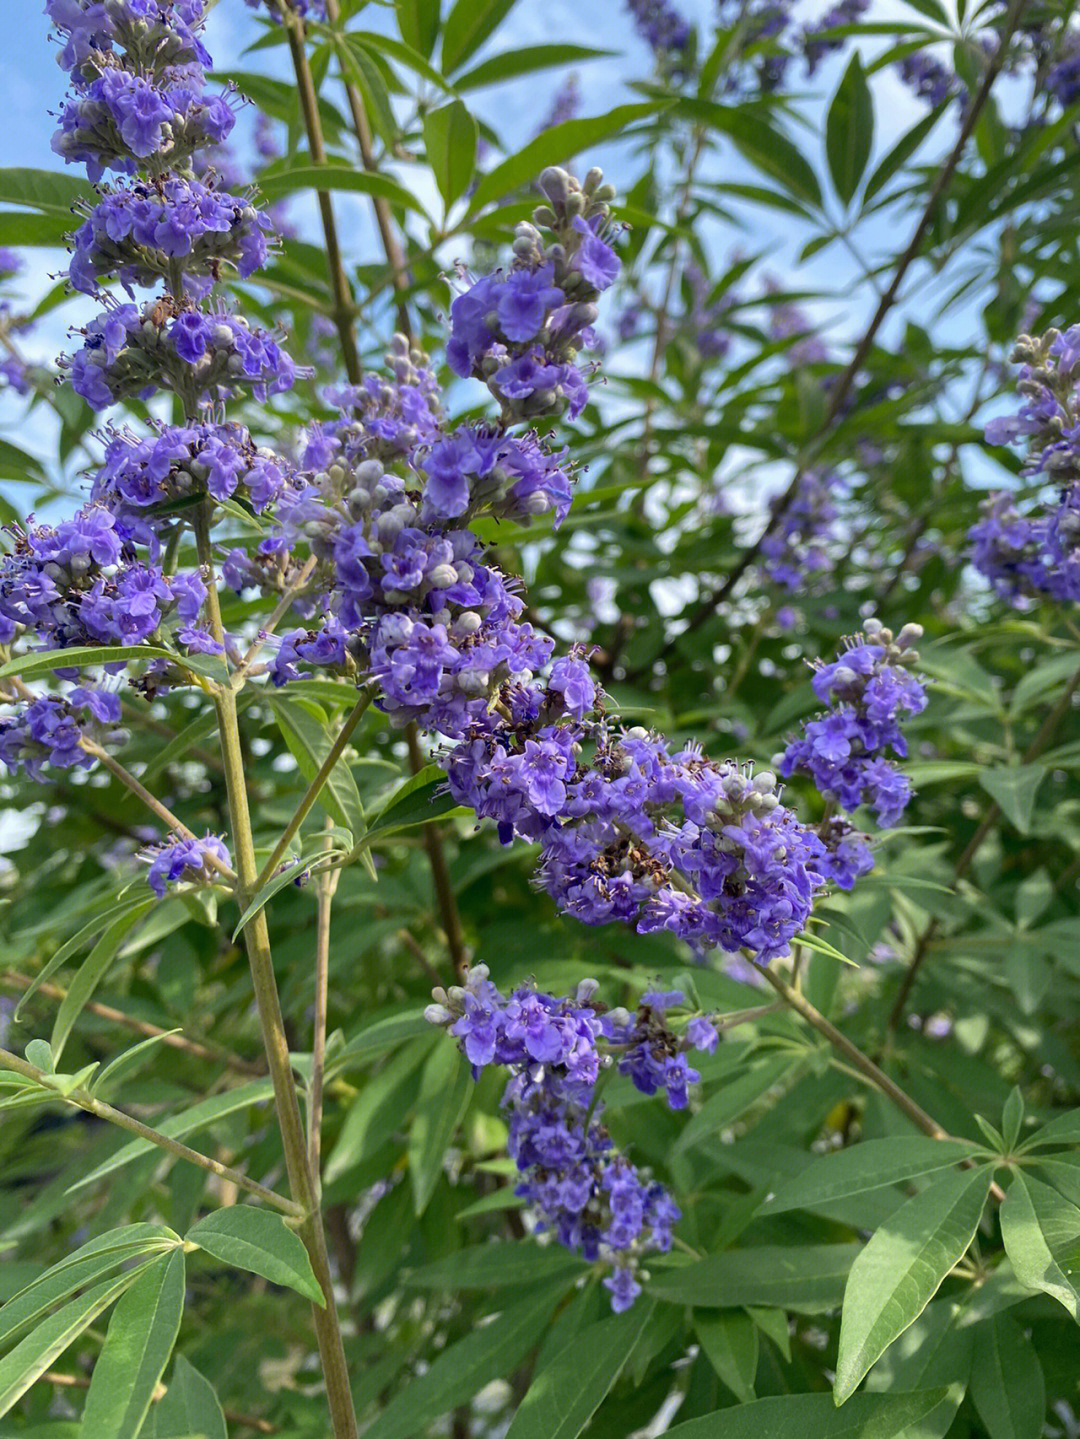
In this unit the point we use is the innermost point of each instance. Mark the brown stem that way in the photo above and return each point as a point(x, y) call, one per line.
point(212, 1053)
point(383, 218)
point(1046, 733)
point(234, 1416)
point(440, 873)
point(83, 1099)
point(842, 388)
point(344, 306)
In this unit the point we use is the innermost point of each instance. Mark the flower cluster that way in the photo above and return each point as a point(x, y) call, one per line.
point(181, 858)
point(930, 79)
point(49, 730)
point(869, 686)
point(801, 545)
point(521, 330)
point(638, 835)
point(1038, 553)
point(815, 40)
point(142, 477)
point(661, 27)
point(132, 350)
point(133, 233)
point(137, 73)
point(79, 583)
point(579, 1186)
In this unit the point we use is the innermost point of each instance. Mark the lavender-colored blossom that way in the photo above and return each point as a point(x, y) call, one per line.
point(579, 1186)
point(180, 858)
point(868, 688)
point(50, 730)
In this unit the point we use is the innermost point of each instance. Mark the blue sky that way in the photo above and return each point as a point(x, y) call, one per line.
point(33, 84)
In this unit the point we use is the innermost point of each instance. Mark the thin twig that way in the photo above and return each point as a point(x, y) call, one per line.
point(440, 873)
point(152, 803)
point(280, 610)
point(11, 979)
point(315, 788)
point(83, 1099)
point(344, 306)
point(383, 218)
point(840, 391)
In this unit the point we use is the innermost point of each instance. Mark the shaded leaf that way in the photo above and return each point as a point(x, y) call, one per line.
point(256, 1240)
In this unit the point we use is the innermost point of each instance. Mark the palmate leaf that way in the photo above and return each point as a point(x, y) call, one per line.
point(873, 1164)
point(805, 1278)
point(902, 1267)
point(90, 1262)
point(849, 130)
point(1007, 1384)
point(190, 1407)
point(1037, 1225)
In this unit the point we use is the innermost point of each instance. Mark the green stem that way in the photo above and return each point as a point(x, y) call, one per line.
point(440, 873)
point(315, 788)
point(83, 1099)
point(257, 939)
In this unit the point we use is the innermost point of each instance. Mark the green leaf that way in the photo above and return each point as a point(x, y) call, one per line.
point(1012, 1117)
point(310, 744)
point(901, 152)
point(72, 946)
point(124, 1062)
point(256, 1240)
point(525, 61)
point(418, 21)
point(735, 1098)
point(467, 26)
point(1035, 1223)
point(495, 1266)
point(1007, 1384)
point(26, 1363)
point(376, 1038)
point(450, 144)
point(813, 1416)
point(755, 135)
point(446, 1086)
point(806, 1278)
point(420, 800)
point(849, 130)
point(45, 661)
point(279, 881)
point(1063, 1129)
point(1014, 789)
point(53, 192)
point(380, 1108)
point(91, 972)
point(190, 1407)
point(142, 1332)
point(567, 1391)
point(86, 1264)
point(489, 1352)
point(729, 1338)
point(554, 146)
point(901, 1268)
point(180, 1126)
point(873, 1164)
point(285, 177)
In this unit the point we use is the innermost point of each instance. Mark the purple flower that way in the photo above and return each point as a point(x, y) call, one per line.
point(180, 858)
